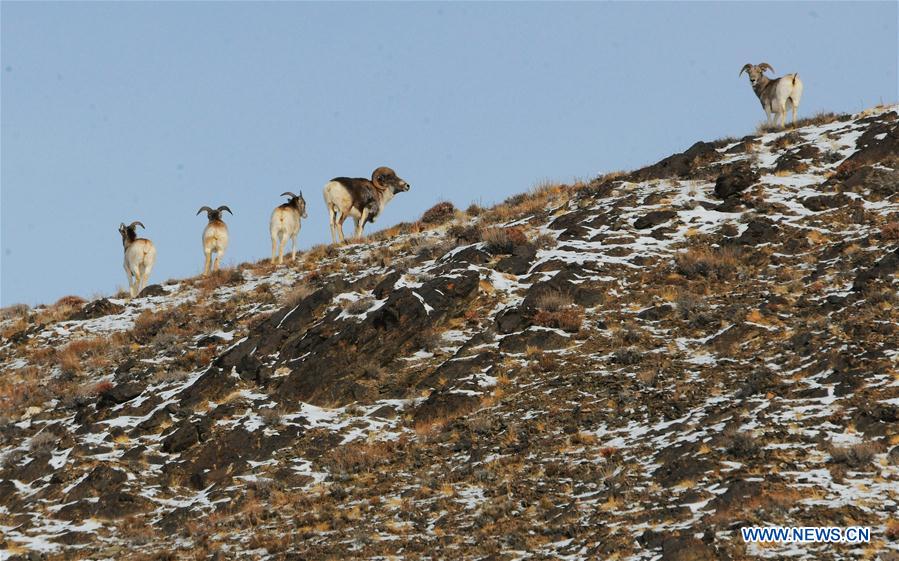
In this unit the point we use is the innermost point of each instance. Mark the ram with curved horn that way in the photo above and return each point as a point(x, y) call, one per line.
point(360, 198)
point(215, 236)
point(774, 94)
point(140, 256)
point(285, 225)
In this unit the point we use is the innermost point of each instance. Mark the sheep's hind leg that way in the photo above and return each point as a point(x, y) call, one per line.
point(208, 255)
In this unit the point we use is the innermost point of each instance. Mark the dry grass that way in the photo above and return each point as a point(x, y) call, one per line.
point(357, 306)
point(503, 240)
point(855, 456)
point(297, 293)
point(569, 318)
point(438, 214)
point(148, 323)
point(553, 301)
point(890, 231)
point(356, 457)
point(713, 263)
point(20, 388)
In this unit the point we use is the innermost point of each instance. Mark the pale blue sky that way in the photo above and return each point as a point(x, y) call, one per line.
point(117, 112)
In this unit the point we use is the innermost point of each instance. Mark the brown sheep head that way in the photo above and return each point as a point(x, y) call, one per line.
point(385, 178)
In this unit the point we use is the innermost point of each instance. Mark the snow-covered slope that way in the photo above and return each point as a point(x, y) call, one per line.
point(627, 369)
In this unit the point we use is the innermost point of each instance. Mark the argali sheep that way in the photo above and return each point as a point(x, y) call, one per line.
point(140, 255)
point(774, 94)
point(215, 236)
point(285, 224)
point(360, 198)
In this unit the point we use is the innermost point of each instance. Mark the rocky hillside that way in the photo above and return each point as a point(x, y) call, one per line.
point(630, 368)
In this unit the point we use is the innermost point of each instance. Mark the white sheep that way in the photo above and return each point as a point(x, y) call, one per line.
point(285, 224)
point(215, 236)
point(775, 94)
point(140, 255)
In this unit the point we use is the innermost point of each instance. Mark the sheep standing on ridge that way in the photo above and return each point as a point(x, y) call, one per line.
point(774, 94)
point(360, 198)
point(215, 236)
point(285, 224)
point(140, 255)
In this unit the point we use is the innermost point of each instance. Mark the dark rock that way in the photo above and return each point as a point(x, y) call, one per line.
point(152, 290)
point(893, 456)
point(687, 548)
point(759, 231)
point(679, 165)
point(540, 339)
point(883, 269)
point(654, 218)
point(445, 405)
point(872, 150)
point(818, 203)
point(333, 350)
point(98, 308)
point(102, 480)
point(734, 181)
point(457, 368)
point(656, 313)
point(120, 394)
point(185, 436)
point(383, 288)
point(519, 262)
point(510, 320)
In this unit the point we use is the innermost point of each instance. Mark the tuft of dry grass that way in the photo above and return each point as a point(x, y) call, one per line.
point(570, 318)
point(439, 213)
point(890, 231)
point(503, 240)
point(357, 306)
point(713, 263)
point(855, 456)
point(553, 301)
point(297, 293)
point(357, 457)
point(148, 323)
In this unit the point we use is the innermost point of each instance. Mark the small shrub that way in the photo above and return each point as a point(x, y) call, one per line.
point(714, 263)
point(855, 456)
point(356, 457)
point(44, 441)
point(890, 231)
point(271, 416)
point(359, 306)
point(14, 311)
point(12, 458)
point(473, 209)
point(741, 445)
point(147, 324)
point(439, 213)
point(467, 233)
point(545, 241)
point(297, 293)
point(553, 301)
point(503, 240)
point(627, 357)
point(569, 318)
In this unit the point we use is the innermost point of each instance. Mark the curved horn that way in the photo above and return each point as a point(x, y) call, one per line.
point(288, 194)
point(223, 207)
point(765, 66)
point(136, 223)
point(206, 208)
point(746, 67)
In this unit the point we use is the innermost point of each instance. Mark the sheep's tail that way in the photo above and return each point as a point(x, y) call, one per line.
point(794, 78)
